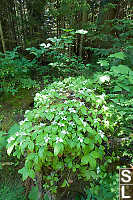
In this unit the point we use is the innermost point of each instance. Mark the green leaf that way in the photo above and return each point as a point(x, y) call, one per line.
point(64, 184)
point(25, 172)
point(121, 69)
point(95, 154)
point(33, 195)
point(10, 148)
point(31, 173)
point(31, 146)
point(58, 148)
point(14, 129)
point(119, 55)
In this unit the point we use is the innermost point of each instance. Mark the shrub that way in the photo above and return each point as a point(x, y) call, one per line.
point(15, 72)
point(62, 137)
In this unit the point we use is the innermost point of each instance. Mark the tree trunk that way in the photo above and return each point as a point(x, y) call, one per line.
point(2, 38)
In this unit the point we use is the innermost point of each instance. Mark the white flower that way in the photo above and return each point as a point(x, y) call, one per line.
point(64, 132)
point(61, 124)
point(95, 120)
point(98, 170)
point(89, 90)
point(84, 123)
point(38, 94)
point(21, 143)
point(60, 113)
point(46, 139)
point(84, 88)
point(80, 139)
point(82, 31)
point(104, 78)
point(72, 110)
point(21, 123)
point(41, 124)
point(65, 102)
point(27, 111)
point(71, 123)
point(23, 133)
point(82, 103)
point(11, 139)
point(52, 110)
point(59, 140)
point(102, 96)
point(74, 100)
point(105, 108)
point(64, 118)
point(44, 97)
point(45, 45)
point(101, 133)
point(52, 90)
point(81, 91)
point(54, 122)
point(17, 134)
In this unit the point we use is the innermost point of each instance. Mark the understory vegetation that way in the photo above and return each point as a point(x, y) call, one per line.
point(66, 98)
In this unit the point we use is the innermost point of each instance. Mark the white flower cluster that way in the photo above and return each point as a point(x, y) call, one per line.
point(45, 45)
point(59, 139)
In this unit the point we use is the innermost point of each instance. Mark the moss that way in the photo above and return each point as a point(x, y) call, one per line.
point(12, 107)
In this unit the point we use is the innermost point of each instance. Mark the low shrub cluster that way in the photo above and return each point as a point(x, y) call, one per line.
point(62, 137)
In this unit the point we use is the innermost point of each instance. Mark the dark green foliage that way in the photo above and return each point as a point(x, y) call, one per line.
point(15, 72)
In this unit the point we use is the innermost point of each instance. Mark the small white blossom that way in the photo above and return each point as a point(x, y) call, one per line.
point(101, 133)
point(71, 123)
point(45, 45)
point(23, 133)
point(52, 110)
point(21, 143)
point(44, 97)
point(95, 120)
point(11, 139)
point(81, 91)
point(64, 132)
point(60, 113)
point(27, 111)
point(17, 134)
point(98, 170)
point(64, 118)
point(84, 88)
point(82, 103)
point(89, 90)
point(41, 124)
point(74, 100)
point(59, 140)
point(38, 95)
point(84, 123)
point(104, 78)
point(54, 122)
point(105, 108)
point(102, 96)
point(72, 110)
point(21, 123)
point(46, 139)
point(80, 139)
point(82, 31)
point(65, 102)
point(61, 125)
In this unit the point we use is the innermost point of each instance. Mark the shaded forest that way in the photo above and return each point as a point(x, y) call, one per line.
point(66, 98)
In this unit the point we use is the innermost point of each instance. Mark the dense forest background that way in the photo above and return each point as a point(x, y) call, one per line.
point(70, 58)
